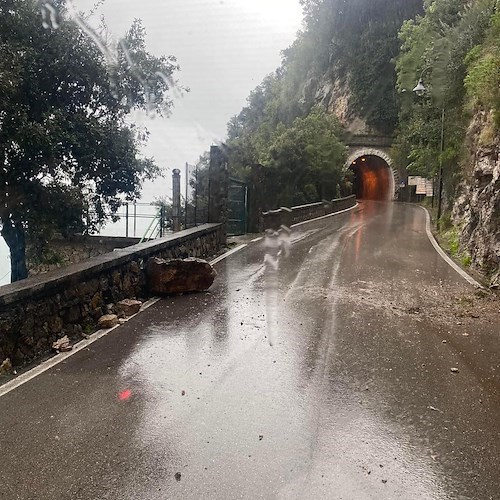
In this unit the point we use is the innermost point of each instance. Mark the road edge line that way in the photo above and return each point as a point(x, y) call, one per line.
point(444, 255)
point(325, 216)
point(59, 358)
point(227, 254)
point(82, 344)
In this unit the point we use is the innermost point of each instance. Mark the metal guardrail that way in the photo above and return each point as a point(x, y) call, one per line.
point(290, 216)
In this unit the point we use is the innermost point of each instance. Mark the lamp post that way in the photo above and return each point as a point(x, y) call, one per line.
point(420, 90)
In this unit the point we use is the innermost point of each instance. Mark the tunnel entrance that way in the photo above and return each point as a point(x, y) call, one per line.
point(373, 178)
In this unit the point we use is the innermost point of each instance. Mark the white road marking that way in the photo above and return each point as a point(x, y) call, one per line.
point(443, 254)
point(255, 240)
point(227, 254)
point(59, 358)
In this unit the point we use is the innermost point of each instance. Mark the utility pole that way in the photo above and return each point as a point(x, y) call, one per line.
point(176, 199)
point(186, 200)
point(440, 189)
point(196, 196)
point(420, 90)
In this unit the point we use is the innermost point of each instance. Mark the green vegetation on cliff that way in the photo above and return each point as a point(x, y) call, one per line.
point(350, 44)
point(441, 46)
point(355, 42)
point(482, 82)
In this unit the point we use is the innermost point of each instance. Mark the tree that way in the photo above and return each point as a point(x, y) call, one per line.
point(68, 157)
point(299, 163)
point(441, 45)
point(308, 158)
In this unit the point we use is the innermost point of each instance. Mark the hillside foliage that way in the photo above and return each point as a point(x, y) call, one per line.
point(454, 47)
point(482, 82)
point(352, 42)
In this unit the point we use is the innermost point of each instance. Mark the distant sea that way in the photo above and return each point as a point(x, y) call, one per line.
point(4, 263)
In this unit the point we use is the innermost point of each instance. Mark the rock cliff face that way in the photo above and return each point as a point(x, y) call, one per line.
point(477, 205)
point(335, 96)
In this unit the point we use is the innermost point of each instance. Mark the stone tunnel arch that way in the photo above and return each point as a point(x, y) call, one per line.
point(375, 175)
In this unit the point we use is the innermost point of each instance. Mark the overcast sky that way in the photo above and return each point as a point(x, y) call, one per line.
point(224, 48)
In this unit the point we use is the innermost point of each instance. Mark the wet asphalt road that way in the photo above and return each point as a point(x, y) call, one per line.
point(315, 381)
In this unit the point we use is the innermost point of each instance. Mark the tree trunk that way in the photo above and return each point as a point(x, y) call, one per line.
point(13, 234)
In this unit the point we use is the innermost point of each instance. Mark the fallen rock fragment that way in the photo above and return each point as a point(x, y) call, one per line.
point(6, 367)
point(433, 408)
point(178, 476)
point(128, 307)
point(454, 370)
point(108, 321)
point(414, 310)
point(179, 276)
point(62, 345)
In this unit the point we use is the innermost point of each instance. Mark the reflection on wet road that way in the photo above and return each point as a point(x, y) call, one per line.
point(352, 399)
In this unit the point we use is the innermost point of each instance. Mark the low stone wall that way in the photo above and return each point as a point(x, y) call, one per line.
point(290, 216)
point(37, 311)
point(66, 251)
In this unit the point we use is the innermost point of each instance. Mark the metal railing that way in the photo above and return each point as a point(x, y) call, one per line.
point(157, 227)
point(148, 221)
point(134, 219)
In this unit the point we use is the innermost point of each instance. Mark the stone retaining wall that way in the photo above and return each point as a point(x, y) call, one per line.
point(290, 216)
point(68, 301)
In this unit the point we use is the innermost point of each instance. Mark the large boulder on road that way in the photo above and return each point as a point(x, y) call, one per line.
point(166, 277)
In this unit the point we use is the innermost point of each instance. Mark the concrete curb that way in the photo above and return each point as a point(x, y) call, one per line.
point(443, 254)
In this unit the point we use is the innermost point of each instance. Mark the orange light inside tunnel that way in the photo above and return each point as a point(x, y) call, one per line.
point(372, 178)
